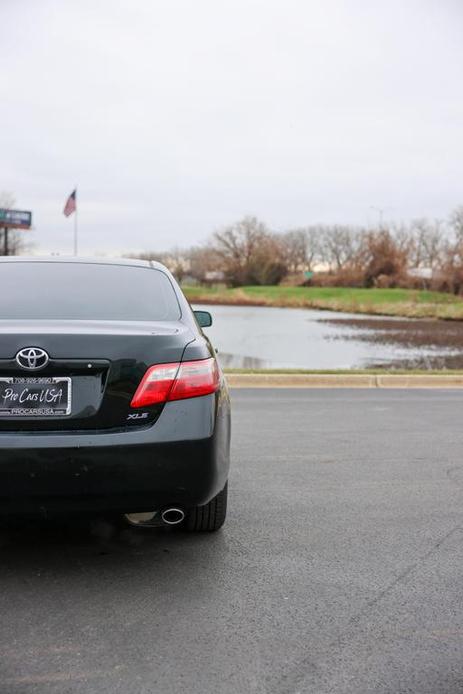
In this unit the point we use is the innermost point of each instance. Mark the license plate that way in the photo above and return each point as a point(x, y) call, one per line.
point(35, 397)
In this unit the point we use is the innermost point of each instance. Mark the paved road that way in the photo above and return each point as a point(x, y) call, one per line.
point(340, 568)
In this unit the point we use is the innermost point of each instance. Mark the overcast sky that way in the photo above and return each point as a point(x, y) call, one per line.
point(176, 117)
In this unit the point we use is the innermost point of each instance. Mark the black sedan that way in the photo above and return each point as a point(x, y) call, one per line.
point(111, 397)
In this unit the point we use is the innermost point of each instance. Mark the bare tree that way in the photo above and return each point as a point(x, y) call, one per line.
point(456, 222)
point(294, 250)
point(404, 240)
point(176, 260)
point(451, 275)
point(249, 254)
point(237, 244)
point(340, 245)
point(313, 245)
point(301, 248)
point(427, 243)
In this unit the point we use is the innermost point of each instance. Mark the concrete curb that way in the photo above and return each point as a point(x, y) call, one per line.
point(343, 381)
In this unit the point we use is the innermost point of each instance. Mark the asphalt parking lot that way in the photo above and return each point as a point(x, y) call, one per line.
point(340, 568)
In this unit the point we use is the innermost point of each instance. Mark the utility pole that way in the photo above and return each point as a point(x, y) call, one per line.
point(381, 211)
point(75, 232)
point(5, 241)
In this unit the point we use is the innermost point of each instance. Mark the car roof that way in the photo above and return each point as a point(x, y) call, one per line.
point(82, 260)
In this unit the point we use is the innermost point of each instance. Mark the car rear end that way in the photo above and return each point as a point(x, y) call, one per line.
point(111, 398)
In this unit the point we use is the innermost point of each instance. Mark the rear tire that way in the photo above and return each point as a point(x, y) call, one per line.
point(210, 517)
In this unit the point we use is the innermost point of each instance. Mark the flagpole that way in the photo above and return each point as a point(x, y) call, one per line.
point(75, 226)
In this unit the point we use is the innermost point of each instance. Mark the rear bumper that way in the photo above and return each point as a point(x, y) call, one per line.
point(182, 459)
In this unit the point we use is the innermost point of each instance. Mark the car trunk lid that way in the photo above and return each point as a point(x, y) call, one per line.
point(101, 361)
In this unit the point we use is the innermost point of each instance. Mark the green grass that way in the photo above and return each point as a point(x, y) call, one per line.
point(375, 296)
point(409, 303)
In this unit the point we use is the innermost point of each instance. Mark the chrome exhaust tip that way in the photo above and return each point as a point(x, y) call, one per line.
point(172, 515)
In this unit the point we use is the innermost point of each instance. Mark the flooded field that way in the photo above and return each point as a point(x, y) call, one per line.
point(261, 337)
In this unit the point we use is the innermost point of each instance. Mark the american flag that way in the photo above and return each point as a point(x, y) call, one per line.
point(70, 205)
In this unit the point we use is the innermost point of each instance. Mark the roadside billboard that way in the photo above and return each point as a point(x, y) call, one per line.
point(15, 219)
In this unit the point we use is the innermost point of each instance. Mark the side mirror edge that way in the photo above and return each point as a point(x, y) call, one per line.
point(204, 318)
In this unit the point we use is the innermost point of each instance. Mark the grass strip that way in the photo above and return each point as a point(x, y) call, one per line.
point(405, 303)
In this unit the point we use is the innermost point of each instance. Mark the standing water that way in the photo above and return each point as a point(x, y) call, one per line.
point(265, 337)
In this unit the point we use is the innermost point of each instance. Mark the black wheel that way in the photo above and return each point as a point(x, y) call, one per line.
point(209, 517)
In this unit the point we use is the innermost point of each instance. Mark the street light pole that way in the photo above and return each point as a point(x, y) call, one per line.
point(380, 211)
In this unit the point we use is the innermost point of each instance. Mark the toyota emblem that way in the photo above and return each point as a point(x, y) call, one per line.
point(32, 358)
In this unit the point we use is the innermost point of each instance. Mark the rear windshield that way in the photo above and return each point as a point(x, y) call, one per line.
point(80, 291)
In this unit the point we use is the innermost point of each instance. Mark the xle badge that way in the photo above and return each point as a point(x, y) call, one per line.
point(138, 415)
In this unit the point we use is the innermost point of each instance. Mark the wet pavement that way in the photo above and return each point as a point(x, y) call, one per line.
point(338, 570)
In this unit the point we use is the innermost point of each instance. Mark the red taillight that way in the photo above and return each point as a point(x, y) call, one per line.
point(165, 382)
point(155, 385)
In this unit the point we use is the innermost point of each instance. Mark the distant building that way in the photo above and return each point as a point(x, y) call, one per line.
point(214, 276)
point(424, 273)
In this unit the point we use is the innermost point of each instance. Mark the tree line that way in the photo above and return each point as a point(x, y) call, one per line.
point(421, 253)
